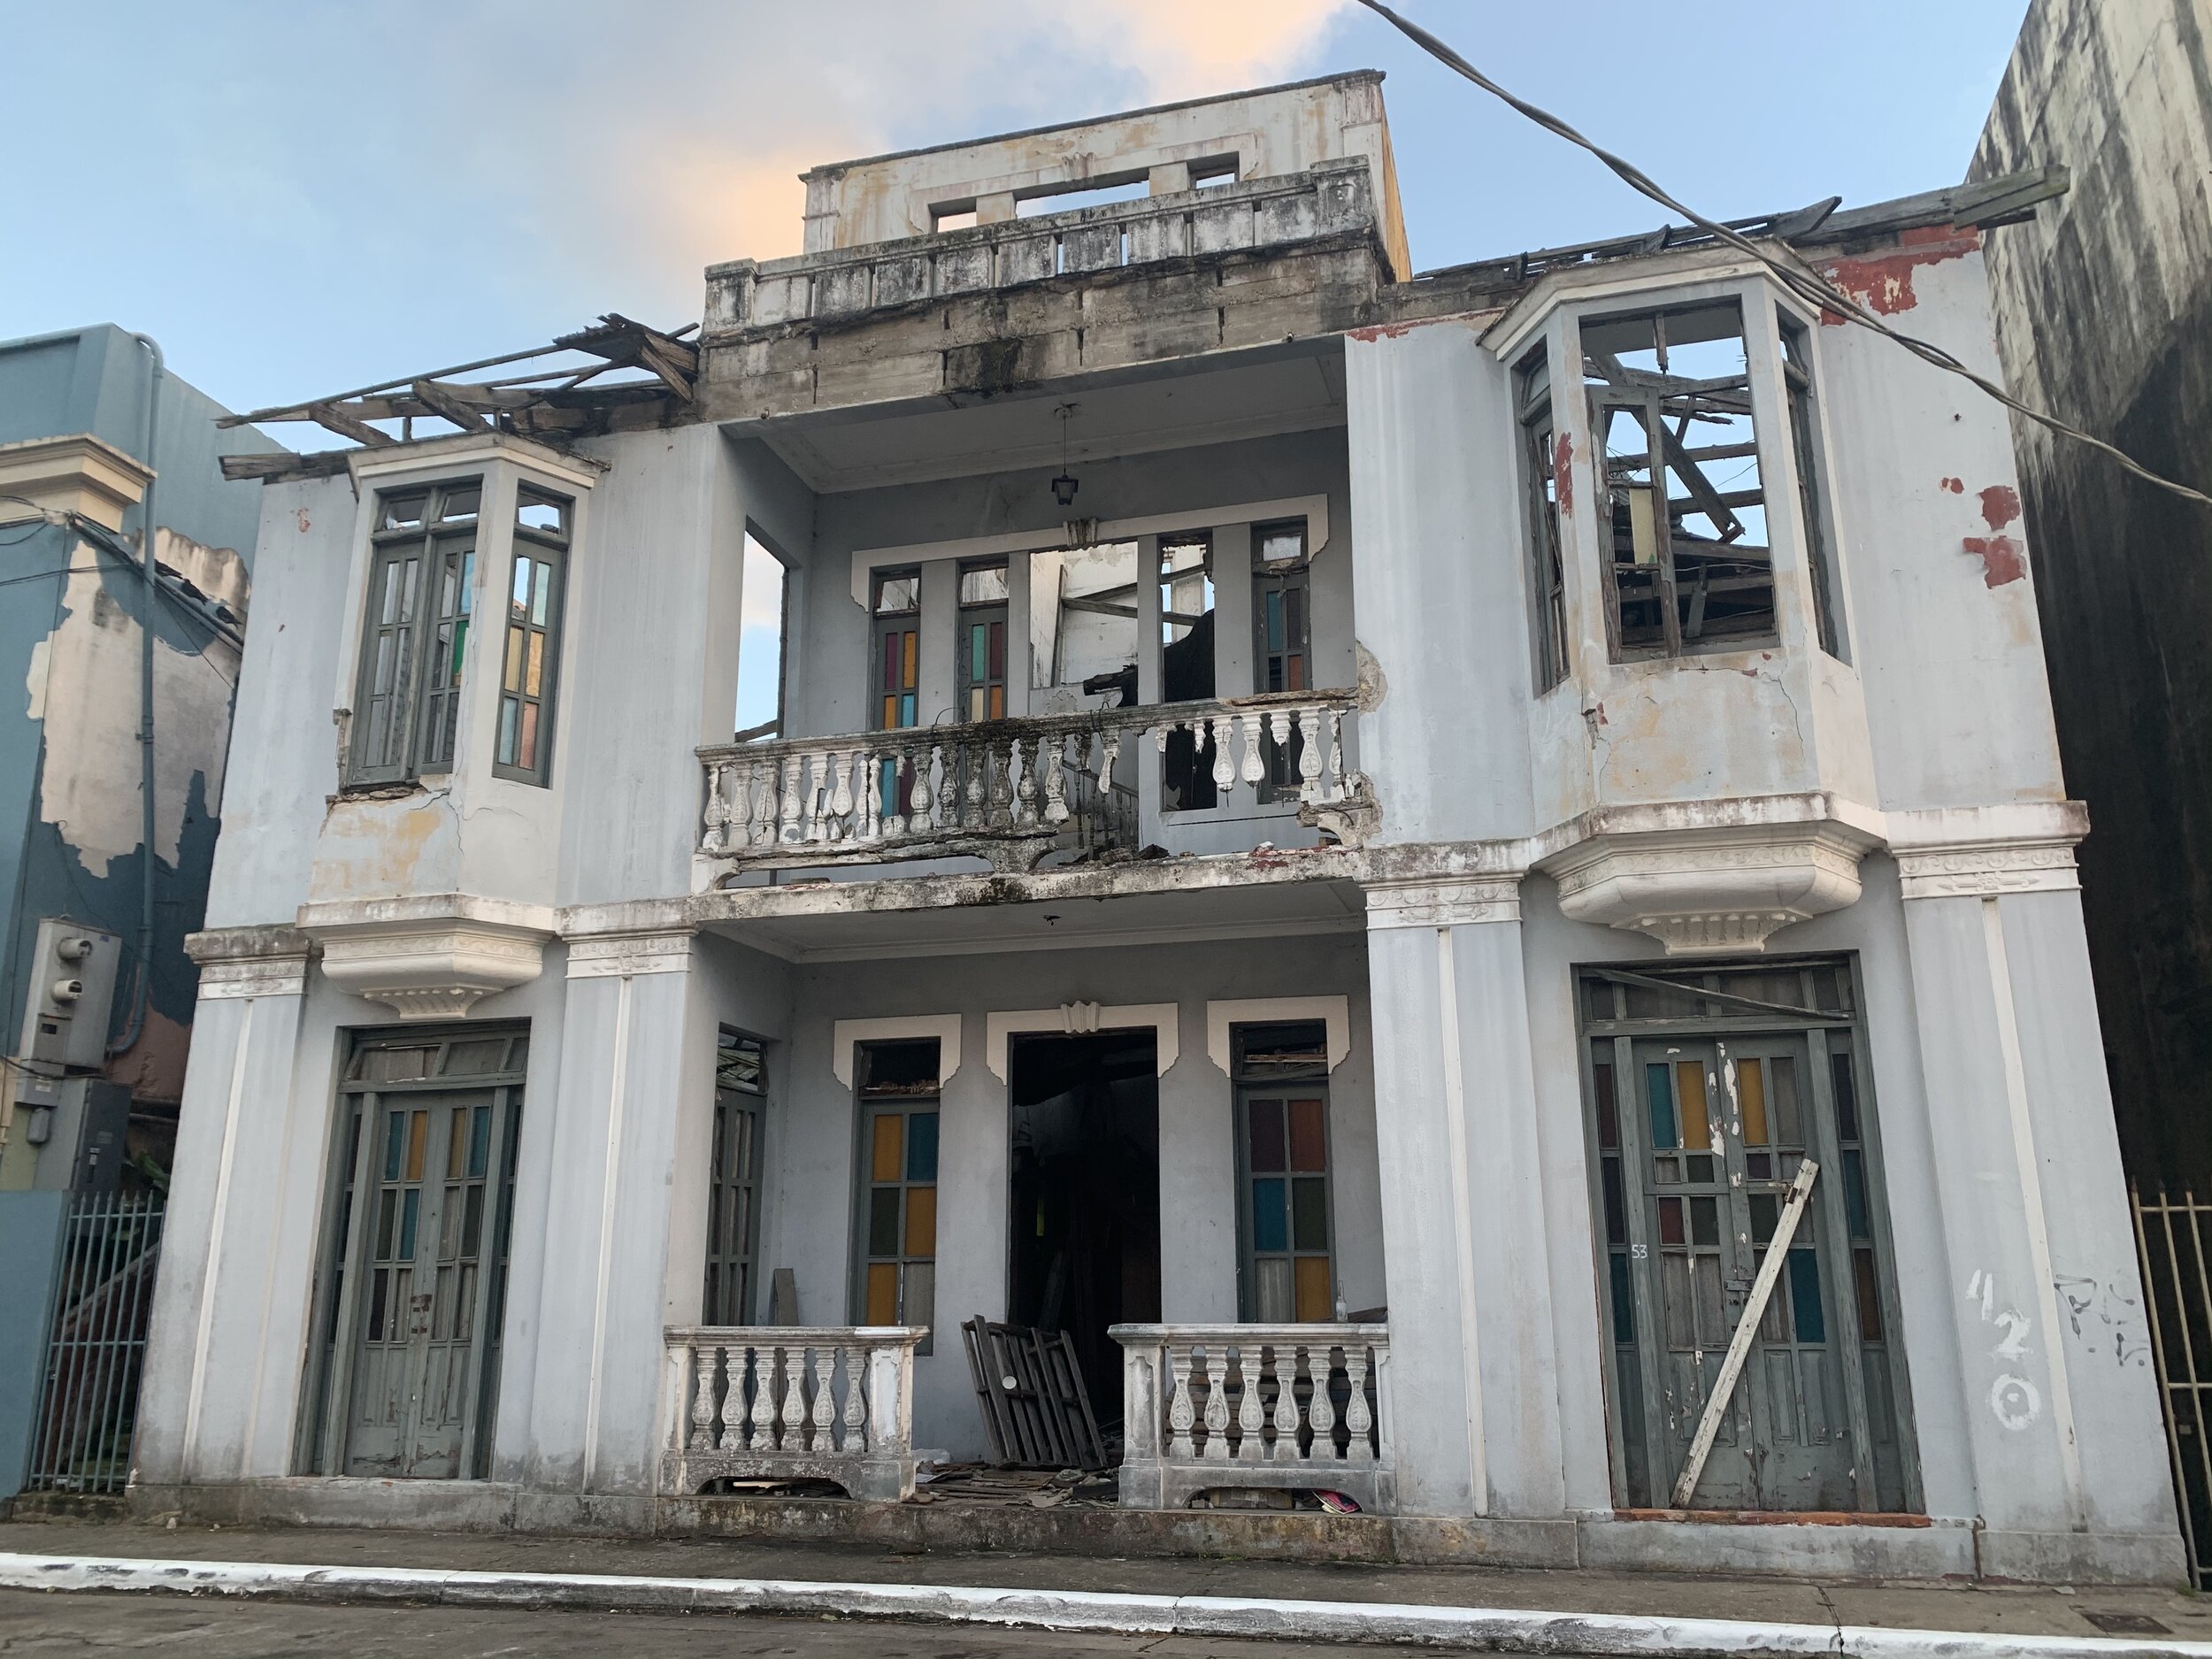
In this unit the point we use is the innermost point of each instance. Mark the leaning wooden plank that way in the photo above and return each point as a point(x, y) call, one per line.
point(1746, 1328)
point(975, 1338)
point(1096, 1441)
point(447, 401)
point(347, 425)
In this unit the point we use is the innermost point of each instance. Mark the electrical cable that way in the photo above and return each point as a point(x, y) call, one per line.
point(1807, 285)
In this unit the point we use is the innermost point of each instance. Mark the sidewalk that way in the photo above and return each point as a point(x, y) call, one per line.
point(1591, 1612)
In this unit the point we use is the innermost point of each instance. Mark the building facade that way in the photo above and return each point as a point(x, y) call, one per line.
point(101, 878)
point(1458, 877)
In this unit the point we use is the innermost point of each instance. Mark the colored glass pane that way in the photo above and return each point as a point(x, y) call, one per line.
point(1609, 1110)
point(1782, 1098)
point(1309, 1138)
point(1659, 1087)
point(1805, 1296)
point(1615, 1203)
point(921, 1221)
point(526, 745)
point(883, 1221)
point(1310, 1213)
point(1751, 1088)
point(1313, 1288)
point(1847, 1097)
point(410, 1212)
point(1670, 1221)
point(885, 1140)
point(1870, 1297)
point(1623, 1304)
point(1854, 1204)
point(921, 1148)
point(395, 1145)
point(883, 1293)
point(418, 1133)
point(1704, 1221)
point(1690, 1080)
point(1268, 1150)
point(1269, 1231)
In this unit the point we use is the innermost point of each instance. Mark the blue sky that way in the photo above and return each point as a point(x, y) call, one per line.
point(296, 198)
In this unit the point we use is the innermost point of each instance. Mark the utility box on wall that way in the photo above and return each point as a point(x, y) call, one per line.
point(71, 996)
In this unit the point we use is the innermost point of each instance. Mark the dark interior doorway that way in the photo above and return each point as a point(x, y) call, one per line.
point(1084, 1205)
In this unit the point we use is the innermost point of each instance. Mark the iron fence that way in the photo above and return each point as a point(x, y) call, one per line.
point(88, 1400)
point(2170, 1236)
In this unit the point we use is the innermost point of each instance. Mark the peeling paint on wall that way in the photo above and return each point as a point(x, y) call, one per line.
point(1884, 284)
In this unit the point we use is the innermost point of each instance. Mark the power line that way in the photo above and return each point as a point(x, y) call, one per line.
point(1807, 285)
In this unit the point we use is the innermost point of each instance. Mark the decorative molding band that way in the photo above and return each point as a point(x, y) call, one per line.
point(1081, 1018)
point(1987, 869)
point(625, 955)
point(847, 1033)
point(1334, 1011)
point(1447, 904)
point(429, 956)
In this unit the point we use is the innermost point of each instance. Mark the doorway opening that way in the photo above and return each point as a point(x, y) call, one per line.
point(1084, 1203)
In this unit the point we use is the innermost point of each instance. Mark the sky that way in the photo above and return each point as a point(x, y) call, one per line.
point(298, 198)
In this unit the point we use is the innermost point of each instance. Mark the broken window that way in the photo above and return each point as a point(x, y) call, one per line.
point(422, 572)
point(1069, 198)
point(1282, 1085)
point(1186, 664)
point(1797, 370)
point(1083, 628)
point(1687, 567)
point(1540, 466)
point(981, 649)
point(760, 644)
point(530, 667)
point(1282, 637)
point(944, 219)
point(898, 1207)
point(740, 1088)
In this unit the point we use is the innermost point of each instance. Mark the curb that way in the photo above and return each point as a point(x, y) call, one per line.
point(1598, 1635)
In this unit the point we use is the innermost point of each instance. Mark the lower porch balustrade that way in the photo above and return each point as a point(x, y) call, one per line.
point(832, 1403)
point(1290, 1406)
point(1017, 791)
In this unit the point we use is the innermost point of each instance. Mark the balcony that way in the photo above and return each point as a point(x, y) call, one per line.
point(791, 1403)
point(1290, 1407)
point(1097, 786)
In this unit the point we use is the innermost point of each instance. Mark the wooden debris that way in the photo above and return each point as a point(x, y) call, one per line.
point(1029, 1387)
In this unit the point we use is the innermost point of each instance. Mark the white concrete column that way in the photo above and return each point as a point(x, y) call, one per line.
point(1473, 1347)
point(1198, 1185)
point(2066, 1442)
point(973, 1153)
point(636, 1074)
point(221, 1384)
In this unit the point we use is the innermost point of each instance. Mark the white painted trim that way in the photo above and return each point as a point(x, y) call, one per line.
point(1336, 1011)
point(624, 956)
point(2033, 1212)
point(1313, 508)
point(1687, 277)
point(1445, 901)
point(433, 456)
point(1462, 1218)
point(618, 1096)
point(1165, 1018)
point(1017, 944)
point(212, 1262)
point(845, 1032)
point(1608, 1635)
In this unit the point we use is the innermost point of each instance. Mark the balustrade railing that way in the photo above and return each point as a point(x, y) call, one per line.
point(1208, 1408)
point(832, 1403)
point(1013, 791)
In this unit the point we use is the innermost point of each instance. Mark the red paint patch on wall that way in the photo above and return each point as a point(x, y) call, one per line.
point(1383, 331)
point(1562, 474)
point(1883, 282)
point(1956, 486)
point(2003, 559)
point(2000, 505)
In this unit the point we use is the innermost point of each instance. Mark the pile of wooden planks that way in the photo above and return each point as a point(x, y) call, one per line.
point(1036, 1411)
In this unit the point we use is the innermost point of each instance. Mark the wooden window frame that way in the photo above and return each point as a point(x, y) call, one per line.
point(982, 613)
point(908, 1105)
point(734, 1177)
point(1549, 661)
point(1249, 1084)
point(529, 629)
point(440, 547)
point(1803, 409)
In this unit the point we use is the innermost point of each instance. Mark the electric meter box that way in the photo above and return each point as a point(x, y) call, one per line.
point(71, 997)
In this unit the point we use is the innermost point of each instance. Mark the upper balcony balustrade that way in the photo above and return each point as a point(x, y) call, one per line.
point(1018, 791)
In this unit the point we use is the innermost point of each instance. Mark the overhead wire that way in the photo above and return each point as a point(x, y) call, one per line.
point(1805, 284)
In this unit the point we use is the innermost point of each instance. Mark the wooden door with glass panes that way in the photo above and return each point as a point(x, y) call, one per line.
point(1699, 1134)
point(421, 1277)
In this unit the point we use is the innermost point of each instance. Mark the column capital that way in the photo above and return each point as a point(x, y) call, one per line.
point(1957, 852)
point(1443, 901)
point(625, 955)
point(242, 962)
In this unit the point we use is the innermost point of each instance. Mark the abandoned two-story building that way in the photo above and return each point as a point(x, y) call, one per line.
point(1463, 878)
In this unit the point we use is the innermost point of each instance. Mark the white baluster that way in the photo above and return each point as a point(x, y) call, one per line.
point(761, 1434)
point(1255, 768)
point(1279, 728)
point(1001, 760)
point(971, 795)
point(1217, 1374)
point(1249, 1417)
point(1358, 1417)
point(840, 799)
point(824, 1402)
point(1056, 781)
point(794, 1366)
point(793, 828)
point(1286, 1368)
point(1336, 754)
point(1321, 1410)
point(702, 1406)
point(1310, 754)
point(1025, 791)
point(1217, 730)
point(851, 1434)
point(919, 821)
point(868, 793)
point(716, 838)
point(1179, 1415)
point(889, 773)
point(760, 813)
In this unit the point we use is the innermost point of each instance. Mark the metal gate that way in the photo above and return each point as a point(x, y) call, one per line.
point(2170, 1236)
point(103, 1294)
